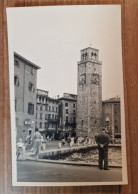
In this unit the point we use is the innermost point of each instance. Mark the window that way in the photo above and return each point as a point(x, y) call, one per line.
point(39, 98)
point(74, 112)
point(73, 105)
point(66, 119)
point(66, 104)
point(40, 124)
point(74, 119)
point(15, 104)
point(41, 115)
point(52, 116)
point(67, 111)
point(116, 129)
point(46, 116)
point(41, 108)
point(32, 71)
point(45, 125)
point(55, 116)
point(31, 87)
point(46, 107)
point(16, 80)
point(49, 115)
point(83, 56)
point(30, 108)
point(53, 108)
point(49, 108)
point(56, 109)
point(16, 62)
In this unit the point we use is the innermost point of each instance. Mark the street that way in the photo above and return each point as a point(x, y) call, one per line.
point(32, 171)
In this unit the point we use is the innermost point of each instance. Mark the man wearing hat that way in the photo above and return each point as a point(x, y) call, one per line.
point(102, 141)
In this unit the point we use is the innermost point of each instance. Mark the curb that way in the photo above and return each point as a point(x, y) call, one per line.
point(70, 163)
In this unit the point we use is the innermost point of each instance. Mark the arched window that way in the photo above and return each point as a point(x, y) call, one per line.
point(83, 56)
point(116, 129)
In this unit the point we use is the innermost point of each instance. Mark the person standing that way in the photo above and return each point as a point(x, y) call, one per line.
point(102, 140)
point(69, 140)
point(63, 141)
point(20, 150)
point(37, 142)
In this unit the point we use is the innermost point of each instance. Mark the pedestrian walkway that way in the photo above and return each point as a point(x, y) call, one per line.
point(32, 171)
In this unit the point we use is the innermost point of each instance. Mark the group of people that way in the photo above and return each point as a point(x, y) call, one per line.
point(102, 140)
point(36, 142)
point(69, 141)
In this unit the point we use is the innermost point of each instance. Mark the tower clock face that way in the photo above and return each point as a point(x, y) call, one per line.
point(82, 79)
point(95, 78)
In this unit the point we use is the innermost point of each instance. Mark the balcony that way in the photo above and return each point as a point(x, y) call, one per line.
point(53, 120)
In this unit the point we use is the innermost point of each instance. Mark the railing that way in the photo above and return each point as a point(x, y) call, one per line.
point(53, 120)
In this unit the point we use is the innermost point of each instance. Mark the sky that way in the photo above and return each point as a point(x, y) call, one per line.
point(52, 37)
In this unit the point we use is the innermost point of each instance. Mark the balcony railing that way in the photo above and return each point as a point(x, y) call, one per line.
point(53, 120)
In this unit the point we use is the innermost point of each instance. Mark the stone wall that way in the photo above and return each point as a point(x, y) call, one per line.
point(89, 100)
point(26, 73)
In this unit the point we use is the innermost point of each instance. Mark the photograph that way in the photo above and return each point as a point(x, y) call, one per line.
point(66, 95)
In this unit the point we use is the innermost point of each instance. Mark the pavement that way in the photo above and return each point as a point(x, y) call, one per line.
point(32, 171)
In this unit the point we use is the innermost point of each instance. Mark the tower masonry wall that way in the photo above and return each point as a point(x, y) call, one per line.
point(89, 100)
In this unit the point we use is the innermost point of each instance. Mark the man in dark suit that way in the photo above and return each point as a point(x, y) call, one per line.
point(102, 141)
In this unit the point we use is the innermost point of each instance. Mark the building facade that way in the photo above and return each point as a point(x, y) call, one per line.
point(112, 117)
point(25, 80)
point(47, 113)
point(89, 93)
point(67, 114)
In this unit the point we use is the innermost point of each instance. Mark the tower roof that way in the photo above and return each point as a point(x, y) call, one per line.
point(112, 100)
point(89, 48)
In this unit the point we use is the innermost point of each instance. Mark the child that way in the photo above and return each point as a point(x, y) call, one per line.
point(20, 149)
point(63, 141)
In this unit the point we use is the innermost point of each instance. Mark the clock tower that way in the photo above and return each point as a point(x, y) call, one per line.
point(89, 94)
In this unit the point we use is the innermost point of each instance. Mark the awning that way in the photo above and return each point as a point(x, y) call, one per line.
point(27, 122)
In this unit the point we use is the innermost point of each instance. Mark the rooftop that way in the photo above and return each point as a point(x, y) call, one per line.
point(26, 60)
point(89, 48)
point(112, 100)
